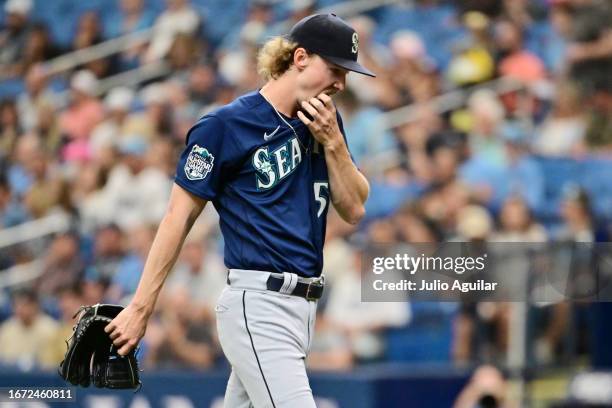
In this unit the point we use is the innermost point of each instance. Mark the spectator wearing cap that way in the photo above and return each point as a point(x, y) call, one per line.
point(514, 61)
point(444, 150)
point(24, 336)
point(117, 103)
point(202, 84)
point(14, 35)
point(109, 242)
point(83, 114)
point(94, 288)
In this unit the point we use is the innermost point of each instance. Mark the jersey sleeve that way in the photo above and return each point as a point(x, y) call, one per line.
point(210, 151)
point(341, 126)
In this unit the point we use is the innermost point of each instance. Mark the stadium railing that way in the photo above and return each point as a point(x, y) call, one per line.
point(29, 231)
point(116, 45)
point(449, 101)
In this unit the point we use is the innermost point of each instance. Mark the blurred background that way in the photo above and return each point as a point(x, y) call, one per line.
point(489, 121)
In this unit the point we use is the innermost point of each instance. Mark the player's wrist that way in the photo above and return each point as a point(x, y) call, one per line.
point(334, 144)
point(143, 308)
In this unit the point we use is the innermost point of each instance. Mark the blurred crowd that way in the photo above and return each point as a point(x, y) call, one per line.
point(484, 169)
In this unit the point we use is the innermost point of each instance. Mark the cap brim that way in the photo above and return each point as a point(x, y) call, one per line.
point(350, 65)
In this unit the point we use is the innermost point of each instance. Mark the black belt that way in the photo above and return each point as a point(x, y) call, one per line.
point(309, 291)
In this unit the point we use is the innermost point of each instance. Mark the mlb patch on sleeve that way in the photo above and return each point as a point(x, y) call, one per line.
point(199, 163)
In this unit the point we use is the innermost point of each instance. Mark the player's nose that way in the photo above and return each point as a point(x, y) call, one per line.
point(340, 83)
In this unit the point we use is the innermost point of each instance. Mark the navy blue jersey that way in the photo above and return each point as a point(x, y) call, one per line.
point(268, 183)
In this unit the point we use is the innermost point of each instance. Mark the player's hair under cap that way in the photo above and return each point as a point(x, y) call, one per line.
point(328, 36)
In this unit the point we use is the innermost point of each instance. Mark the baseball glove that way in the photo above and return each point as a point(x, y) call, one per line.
point(91, 355)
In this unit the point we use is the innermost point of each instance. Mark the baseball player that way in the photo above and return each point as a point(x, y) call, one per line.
point(271, 162)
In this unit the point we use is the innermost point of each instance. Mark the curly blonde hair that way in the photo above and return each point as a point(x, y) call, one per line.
point(275, 57)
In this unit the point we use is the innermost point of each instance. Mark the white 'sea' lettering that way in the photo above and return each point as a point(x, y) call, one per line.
point(272, 168)
point(261, 162)
point(282, 160)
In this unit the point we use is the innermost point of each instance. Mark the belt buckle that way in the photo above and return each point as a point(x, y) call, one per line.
point(319, 283)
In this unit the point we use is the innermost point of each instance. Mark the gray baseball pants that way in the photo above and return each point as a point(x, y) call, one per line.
point(266, 336)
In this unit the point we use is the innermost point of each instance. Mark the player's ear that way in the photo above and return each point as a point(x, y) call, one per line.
point(300, 58)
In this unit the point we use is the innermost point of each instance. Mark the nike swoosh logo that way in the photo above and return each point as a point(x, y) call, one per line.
point(271, 135)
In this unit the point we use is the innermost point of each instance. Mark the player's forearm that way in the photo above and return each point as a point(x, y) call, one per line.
point(163, 255)
point(349, 188)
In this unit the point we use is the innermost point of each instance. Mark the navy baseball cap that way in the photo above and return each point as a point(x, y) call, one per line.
point(330, 37)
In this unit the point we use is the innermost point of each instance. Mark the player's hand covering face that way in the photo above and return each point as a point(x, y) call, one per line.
point(319, 76)
point(319, 114)
point(320, 80)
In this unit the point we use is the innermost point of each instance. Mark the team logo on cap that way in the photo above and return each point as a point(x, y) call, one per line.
point(355, 46)
point(199, 163)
